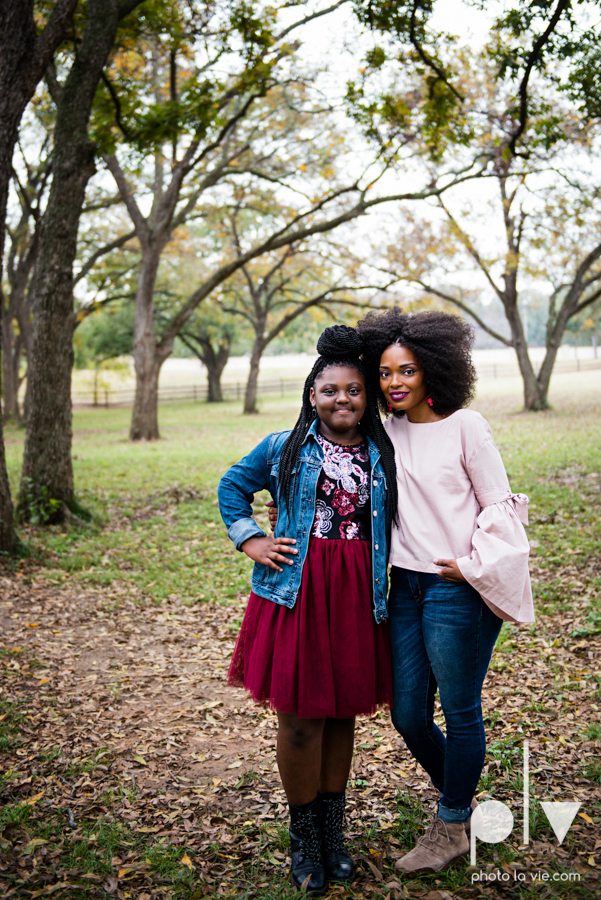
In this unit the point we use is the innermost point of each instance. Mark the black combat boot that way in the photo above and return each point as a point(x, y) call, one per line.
point(339, 865)
point(305, 848)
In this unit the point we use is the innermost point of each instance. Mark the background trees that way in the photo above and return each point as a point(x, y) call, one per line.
point(24, 55)
point(215, 133)
point(196, 161)
point(541, 226)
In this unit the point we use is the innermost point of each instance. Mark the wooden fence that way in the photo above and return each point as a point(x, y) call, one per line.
point(197, 393)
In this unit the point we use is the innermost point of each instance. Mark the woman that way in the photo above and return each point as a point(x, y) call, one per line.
point(459, 557)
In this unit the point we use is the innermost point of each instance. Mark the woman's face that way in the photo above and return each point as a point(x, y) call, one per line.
point(402, 382)
point(339, 399)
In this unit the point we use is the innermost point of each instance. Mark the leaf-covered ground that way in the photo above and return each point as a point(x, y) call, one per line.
point(129, 768)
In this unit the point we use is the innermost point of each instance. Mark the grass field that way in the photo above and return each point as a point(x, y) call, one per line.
point(180, 548)
point(156, 555)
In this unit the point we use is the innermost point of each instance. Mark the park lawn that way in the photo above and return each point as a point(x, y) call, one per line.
point(157, 543)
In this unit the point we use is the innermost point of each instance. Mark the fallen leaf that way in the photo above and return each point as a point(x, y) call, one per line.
point(186, 861)
point(35, 842)
point(375, 871)
point(111, 884)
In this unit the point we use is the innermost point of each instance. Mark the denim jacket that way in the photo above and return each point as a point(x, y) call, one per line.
point(259, 471)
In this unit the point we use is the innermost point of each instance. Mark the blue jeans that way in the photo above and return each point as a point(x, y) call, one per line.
point(442, 636)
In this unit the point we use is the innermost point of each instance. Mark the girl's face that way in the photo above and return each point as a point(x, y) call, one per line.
point(402, 383)
point(338, 397)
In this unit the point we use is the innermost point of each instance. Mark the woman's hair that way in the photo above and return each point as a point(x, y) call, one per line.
point(339, 345)
point(440, 342)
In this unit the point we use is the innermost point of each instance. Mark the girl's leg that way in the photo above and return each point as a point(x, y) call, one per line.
point(336, 754)
point(299, 761)
point(460, 632)
point(299, 756)
point(336, 759)
point(413, 682)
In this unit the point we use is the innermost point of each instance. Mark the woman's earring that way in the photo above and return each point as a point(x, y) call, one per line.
point(390, 407)
point(314, 413)
point(430, 401)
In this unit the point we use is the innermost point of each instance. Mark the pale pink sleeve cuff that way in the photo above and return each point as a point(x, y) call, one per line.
point(498, 564)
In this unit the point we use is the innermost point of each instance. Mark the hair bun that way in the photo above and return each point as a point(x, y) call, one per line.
point(340, 342)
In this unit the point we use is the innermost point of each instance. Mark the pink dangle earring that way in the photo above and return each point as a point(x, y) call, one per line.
point(430, 401)
point(389, 407)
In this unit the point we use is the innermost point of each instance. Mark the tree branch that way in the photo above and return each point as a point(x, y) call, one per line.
point(108, 248)
point(285, 237)
point(465, 240)
point(499, 337)
point(53, 34)
point(309, 18)
point(586, 302)
point(427, 60)
point(532, 60)
point(139, 222)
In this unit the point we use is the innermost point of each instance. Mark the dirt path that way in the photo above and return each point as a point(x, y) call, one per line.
point(128, 725)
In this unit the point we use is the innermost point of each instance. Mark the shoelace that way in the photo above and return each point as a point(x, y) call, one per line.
point(432, 833)
point(333, 825)
point(304, 829)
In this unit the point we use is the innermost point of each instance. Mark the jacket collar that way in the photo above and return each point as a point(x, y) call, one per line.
point(373, 450)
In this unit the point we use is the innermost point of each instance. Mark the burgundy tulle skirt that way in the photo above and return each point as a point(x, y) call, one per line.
point(326, 657)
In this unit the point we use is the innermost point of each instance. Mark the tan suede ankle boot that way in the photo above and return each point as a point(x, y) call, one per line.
point(441, 845)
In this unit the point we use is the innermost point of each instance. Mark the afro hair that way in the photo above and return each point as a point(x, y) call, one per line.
point(440, 342)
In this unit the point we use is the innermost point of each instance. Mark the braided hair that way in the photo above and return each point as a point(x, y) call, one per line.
point(339, 345)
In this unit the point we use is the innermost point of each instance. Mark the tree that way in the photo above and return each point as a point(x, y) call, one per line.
point(47, 467)
point(529, 42)
point(209, 334)
point(24, 56)
point(203, 135)
point(272, 291)
point(258, 125)
point(551, 233)
point(30, 188)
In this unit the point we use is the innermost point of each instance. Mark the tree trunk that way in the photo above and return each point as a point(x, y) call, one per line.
point(24, 56)
point(8, 536)
point(250, 396)
point(145, 415)
point(10, 377)
point(47, 476)
point(145, 418)
point(215, 364)
point(24, 320)
point(535, 397)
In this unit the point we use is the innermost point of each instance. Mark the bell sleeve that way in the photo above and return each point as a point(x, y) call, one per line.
point(498, 564)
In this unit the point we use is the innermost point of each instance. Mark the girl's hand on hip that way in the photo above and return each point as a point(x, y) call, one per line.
point(451, 570)
point(272, 512)
point(267, 550)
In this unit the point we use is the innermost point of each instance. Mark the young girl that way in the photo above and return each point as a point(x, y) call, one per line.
point(309, 645)
point(459, 557)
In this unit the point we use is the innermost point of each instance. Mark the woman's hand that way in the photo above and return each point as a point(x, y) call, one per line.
point(450, 571)
point(272, 512)
point(267, 550)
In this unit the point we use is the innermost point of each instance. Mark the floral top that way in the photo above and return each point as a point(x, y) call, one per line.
point(342, 502)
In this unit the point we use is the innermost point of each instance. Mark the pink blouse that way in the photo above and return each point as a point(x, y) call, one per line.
point(455, 502)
